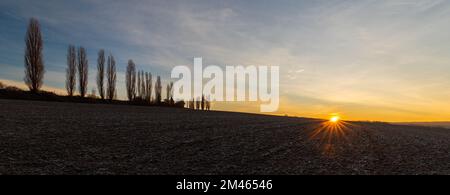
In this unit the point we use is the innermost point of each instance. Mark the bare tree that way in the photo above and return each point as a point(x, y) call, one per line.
point(139, 88)
point(130, 80)
point(34, 64)
point(71, 70)
point(101, 73)
point(138, 84)
point(192, 104)
point(82, 71)
point(148, 86)
point(169, 93)
point(207, 103)
point(203, 102)
point(143, 89)
point(158, 89)
point(197, 104)
point(111, 78)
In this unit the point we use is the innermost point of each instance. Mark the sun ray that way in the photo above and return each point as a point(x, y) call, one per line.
point(331, 132)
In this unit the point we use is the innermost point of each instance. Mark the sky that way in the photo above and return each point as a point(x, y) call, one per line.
point(363, 59)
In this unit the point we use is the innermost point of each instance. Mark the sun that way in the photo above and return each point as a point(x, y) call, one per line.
point(335, 119)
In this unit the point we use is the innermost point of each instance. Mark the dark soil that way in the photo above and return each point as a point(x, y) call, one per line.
point(38, 137)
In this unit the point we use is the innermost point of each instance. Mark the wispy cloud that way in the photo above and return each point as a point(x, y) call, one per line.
point(389, 55)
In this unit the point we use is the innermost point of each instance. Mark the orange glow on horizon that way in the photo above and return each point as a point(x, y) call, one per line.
point(335, 119)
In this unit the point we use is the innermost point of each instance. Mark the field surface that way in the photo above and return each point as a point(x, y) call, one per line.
point(74, 138)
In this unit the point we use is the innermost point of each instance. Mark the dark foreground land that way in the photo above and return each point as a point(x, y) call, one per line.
point(74, 138)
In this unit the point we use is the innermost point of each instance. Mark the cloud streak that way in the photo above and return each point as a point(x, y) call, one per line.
point(389, 55)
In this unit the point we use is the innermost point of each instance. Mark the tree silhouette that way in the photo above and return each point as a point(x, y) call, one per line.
point(207, 103)
point(111, 78)
point(169, 93)
point(34, 64)
point(148, 86)
point(203, 102)
point(71, 70)
point(142, 86)
point(191, 104)
point(130, 80)
point(82, 71)
point(138, 84)
point(101, 73)
point(197, 104)
point(158, 89)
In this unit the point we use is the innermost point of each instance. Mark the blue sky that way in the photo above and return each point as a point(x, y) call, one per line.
point(367, 60)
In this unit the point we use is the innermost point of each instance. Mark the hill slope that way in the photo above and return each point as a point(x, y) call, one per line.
point(73, 138)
